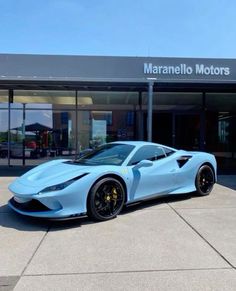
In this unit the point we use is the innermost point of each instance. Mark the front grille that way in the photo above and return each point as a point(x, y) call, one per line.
point(30, 206)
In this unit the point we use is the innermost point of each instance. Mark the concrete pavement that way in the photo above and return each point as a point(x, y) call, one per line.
point(174, 243)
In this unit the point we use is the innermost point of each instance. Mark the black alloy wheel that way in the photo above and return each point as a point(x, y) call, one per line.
point(205, 180)
point(106, 199)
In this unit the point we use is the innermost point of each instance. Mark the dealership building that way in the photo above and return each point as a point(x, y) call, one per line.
point(60, 106)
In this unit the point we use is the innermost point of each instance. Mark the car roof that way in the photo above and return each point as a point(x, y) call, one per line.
point(141, 143)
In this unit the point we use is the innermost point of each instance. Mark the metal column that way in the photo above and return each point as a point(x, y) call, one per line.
point(149, 117)
point(203, 124)
point(23, 135)
point(10, 100)
point(76, 126)
point(139, 127)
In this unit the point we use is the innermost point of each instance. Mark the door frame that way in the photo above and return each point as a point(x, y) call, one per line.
point(201, 115)
point(174, 113)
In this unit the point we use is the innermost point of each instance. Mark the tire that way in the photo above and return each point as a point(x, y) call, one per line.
point(205, 180)
point(106, 199)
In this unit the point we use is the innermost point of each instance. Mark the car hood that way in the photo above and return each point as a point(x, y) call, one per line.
point(48, 174)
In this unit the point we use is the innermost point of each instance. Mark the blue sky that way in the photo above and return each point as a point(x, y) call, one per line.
point(159, 28)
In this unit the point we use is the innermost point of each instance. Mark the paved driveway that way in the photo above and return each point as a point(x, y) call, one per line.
point(178, 243)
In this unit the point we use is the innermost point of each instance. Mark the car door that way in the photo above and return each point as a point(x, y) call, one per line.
point(155, 178)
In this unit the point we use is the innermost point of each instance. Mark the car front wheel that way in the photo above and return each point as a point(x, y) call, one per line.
point(205, 180)
point(106, 199)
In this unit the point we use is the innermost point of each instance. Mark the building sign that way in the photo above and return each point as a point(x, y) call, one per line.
point(184, 69)
point(22, 68)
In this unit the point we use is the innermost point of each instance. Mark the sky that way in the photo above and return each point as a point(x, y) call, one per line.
point(157, 28)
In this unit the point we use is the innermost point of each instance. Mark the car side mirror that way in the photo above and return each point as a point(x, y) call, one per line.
point(143, 164)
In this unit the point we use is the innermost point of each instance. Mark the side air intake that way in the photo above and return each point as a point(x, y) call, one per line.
point(183, 160)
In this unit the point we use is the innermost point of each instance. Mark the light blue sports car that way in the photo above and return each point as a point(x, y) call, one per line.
point(102, 181)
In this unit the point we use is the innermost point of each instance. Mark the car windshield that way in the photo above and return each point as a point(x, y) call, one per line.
point(108, 154)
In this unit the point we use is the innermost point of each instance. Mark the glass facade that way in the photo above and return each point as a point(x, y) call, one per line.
point(176, 119)
point(40, 125)
point(3, 125)
point(47, 124)
point(105, 116)
point(221, 128)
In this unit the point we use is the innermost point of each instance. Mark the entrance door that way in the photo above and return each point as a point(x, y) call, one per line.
point(186, 134)
point(176, 129)
point(161, 127)
point(176, 119)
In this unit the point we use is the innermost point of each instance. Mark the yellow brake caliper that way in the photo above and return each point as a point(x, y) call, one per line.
point(114, 195)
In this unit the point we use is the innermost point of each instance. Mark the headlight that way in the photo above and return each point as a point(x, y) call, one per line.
point(61, 186)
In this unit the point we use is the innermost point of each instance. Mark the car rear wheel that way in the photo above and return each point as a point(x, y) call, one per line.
point(106, 199)
point(205, 180)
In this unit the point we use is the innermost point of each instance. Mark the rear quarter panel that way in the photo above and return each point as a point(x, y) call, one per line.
point(185, 176)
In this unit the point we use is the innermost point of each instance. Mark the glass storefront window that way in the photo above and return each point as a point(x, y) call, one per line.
point(105, 116)
point(221, 128)
point(107, 100)
point(3, 99)
point(44, 123)
point(42, 126)
point(175, 119)
point(3, 127)
point(43, 99)
point(174, 101)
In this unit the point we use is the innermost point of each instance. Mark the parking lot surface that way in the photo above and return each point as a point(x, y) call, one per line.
point(173, 243)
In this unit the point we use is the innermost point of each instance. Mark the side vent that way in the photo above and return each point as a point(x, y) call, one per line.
point(183, 160)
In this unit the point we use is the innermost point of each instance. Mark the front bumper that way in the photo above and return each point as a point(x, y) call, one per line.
point(45, 206)
point(68, 202)
point(36, 209)
point(29, 206)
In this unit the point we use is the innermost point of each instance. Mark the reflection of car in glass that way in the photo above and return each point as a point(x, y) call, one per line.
point(102, 181)
point(16, 150)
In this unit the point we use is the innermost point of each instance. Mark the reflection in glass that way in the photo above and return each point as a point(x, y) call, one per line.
point(112, 154)
point(44, 124)
point(221, 128)
point(105, 116)
point(180, 101)
point(3, 126)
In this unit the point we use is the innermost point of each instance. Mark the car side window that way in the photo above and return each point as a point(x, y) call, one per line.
point(168, 151)
point(148, 152)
